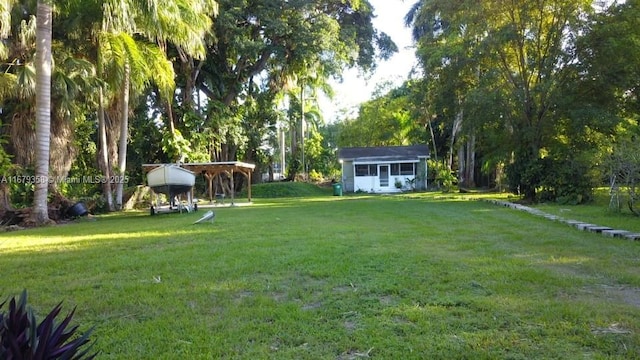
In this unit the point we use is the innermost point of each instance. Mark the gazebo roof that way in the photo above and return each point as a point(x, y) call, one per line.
point(211, 168)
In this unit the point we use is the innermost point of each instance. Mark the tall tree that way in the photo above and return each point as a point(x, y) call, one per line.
point(385, 120)
point(131, 63)
point(40, 214)
point(5, 162)
point(282, 41)
point(520, 51)
point(608, 73)
point(72, 82)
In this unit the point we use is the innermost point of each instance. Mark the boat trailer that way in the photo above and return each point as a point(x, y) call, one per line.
point(175, 182)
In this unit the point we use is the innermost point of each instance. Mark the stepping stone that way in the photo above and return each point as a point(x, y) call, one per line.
point(584, 226)
point(534, 211)
point(615, 233)
point(604, 230)
point(632, 236)
point(572, 222)
point(598, 229)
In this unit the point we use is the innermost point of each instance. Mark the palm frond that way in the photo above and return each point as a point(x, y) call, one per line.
point(146, 61)
point(4, 51)
point(78, 68)
point(183, 23)
point(63, 86)
point(5, 17)
point(8, 87)
point(118, 16)
point(313, 117)
point(27, 32)
point(111, 58)
point(134, 56)
point(162, 73)
point(26, 80)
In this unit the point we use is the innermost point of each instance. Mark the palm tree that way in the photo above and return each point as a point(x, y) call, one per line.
point(44, 16)
point(5, 86)
point(71, 82)
point(136, 63)
point(5, 23)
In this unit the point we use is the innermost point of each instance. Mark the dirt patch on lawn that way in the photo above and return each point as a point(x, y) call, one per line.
point(242, 295)
point(312, 306)
point(568, 270)
point(355, 354)
point(621, 294)
point(617, 293)
point(388, 300)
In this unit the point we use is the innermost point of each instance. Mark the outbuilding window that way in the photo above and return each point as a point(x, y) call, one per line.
point(367, 170)
point(395, 169)
point(407, 169)
point(403, 169)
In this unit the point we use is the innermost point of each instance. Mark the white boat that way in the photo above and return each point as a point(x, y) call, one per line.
point(171, 179)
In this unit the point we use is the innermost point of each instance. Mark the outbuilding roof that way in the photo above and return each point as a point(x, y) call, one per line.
point(386, 153)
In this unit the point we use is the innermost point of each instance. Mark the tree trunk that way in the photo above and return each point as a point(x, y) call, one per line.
point(40, 214)
point(62, 150)
point(433, 141)
point(172, 126)
point(470, 162)
point(283, 152)
point(462, 165)
point(124, 132)
point(5, 197)
point(103, 157)
point(23, 137)
point(457, 124)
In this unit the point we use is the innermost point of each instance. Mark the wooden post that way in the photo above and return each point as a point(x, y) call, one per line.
point(233, 188)
point(210, 180)
point(249, 185)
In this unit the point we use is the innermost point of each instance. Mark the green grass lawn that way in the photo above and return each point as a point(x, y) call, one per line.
point(422, 276)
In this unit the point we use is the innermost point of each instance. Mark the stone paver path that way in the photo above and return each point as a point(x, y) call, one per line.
point(580, 225)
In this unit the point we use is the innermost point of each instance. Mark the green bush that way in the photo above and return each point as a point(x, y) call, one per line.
point(443, 176)
point(566, 181)
point(315, 176)
point(285, 189)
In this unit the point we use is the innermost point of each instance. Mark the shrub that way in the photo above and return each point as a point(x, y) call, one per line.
point(21, 338)
point(567, 181)
point(315, 176)
point(444, 177)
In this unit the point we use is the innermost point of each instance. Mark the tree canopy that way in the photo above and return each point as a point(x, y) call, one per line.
point(201, 79)
point(510, 77)
point(537, 95)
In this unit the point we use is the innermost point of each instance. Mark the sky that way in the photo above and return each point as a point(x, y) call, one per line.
point(354, 88)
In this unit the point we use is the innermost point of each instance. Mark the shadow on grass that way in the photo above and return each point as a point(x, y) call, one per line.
point(335, 277)
point(139, 228)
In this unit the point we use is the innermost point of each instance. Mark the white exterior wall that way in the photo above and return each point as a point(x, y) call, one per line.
point(371, 184)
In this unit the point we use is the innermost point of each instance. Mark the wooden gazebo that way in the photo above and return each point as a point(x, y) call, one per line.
point(211, 169)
